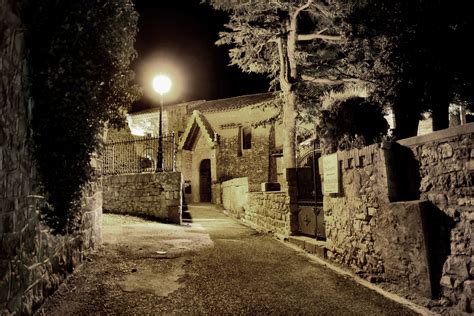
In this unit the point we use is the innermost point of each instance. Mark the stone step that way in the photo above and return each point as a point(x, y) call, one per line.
point(311, 245)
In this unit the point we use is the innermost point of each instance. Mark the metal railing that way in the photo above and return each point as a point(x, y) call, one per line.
point(139, 154)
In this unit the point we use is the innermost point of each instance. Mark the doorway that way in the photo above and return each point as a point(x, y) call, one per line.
point(205, 194)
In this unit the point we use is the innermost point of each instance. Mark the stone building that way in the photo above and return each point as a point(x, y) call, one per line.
point(220, 140)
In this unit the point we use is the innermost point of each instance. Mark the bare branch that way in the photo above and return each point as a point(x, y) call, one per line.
point(322, 31)
point(325, 12)
point(302, 8)
point(348, 76)
point(284, 84)
point(310, 37)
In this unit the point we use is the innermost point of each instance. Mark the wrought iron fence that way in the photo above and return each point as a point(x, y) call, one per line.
point(139, 155)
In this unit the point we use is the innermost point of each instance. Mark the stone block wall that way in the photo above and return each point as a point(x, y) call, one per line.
point(184, 164)
point(369, 229)
point(446, 160)
point(235, 196)
point(177, 118)
point(33, 262)
point(351, 215)
point(373, 227)
point(157, 195)
point(253, 163)
point(404, 242)
point(269, 211)
point(378, 238)
point(216, 193)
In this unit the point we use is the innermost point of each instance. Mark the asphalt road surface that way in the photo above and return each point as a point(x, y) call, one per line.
point(211, 265)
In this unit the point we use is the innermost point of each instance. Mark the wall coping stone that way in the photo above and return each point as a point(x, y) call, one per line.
point(438, 135)
point(235, 182)
point(269, 192)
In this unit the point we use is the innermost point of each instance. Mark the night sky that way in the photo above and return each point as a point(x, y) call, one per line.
point(177, 38)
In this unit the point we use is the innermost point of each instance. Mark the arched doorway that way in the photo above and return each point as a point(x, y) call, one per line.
point(205, 194)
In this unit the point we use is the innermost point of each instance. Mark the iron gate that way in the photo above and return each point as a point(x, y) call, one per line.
point(310, 196)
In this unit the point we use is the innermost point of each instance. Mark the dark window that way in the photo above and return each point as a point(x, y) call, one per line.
point(246, 138)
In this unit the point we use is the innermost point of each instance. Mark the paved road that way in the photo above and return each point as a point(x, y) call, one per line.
point(212, 265)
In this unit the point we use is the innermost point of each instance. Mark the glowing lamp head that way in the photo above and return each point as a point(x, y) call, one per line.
point(161, 84)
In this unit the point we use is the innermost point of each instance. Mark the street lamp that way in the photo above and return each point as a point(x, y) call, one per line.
point(161, 84)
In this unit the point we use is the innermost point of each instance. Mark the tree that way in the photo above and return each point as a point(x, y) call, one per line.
point(457, 15)
point(405, 48)
point(292, 41)
point(79, 56)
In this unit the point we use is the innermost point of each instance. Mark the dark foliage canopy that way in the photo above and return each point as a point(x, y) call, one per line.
point(79, 57)
point(345, 124)
point(415, 54)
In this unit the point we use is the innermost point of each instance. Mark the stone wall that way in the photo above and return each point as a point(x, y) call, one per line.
point(351, 216)
point(253, 163)
point(446, 160)
point(235, 196)
point(404, 214)
point(33, 262)
point(269, 211)
point(403, 237)
point(184, 164)
point(374, 229)
point(177, 118)
point(157, 195)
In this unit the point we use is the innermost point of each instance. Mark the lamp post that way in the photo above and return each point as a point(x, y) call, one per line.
point(161, 84)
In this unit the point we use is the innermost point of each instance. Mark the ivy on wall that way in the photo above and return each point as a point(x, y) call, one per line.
point(79, 56)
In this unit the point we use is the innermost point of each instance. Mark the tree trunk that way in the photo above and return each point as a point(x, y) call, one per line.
point(441, 98)
point(290, 75)
point(440, 109)
point(289, 126)
point(440, 117)
point(406, 123)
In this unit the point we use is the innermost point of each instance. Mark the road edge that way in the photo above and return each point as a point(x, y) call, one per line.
point(394, 297)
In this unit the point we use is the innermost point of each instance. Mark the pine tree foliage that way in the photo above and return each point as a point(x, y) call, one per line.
point(294, 42)
point(412, 55)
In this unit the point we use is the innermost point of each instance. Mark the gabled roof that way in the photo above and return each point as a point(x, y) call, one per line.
point(220, 105)
point(234, 103)
point(156, 109)
point(196, 123)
